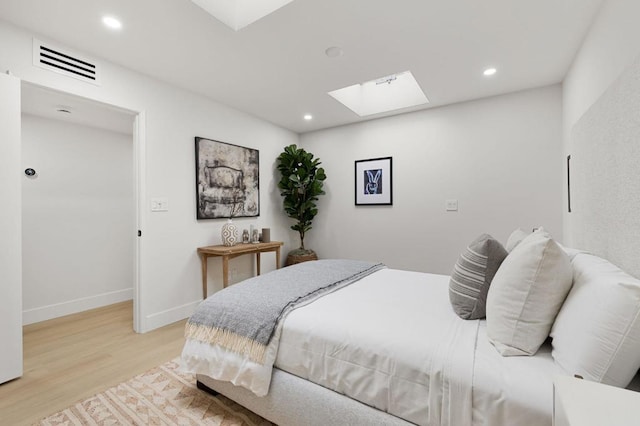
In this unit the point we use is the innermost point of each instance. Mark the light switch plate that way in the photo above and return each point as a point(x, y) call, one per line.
point(452, 205)
point(160, 204)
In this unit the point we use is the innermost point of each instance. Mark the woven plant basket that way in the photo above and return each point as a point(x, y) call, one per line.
point(298, 256)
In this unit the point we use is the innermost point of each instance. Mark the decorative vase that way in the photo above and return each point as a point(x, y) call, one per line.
point(229, 234)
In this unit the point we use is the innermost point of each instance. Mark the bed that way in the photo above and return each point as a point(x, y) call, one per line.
point(386, 348)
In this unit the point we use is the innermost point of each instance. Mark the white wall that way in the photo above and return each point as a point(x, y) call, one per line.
point(612, 44)
point(77, 218)
point(497, 156)
point(170, 283)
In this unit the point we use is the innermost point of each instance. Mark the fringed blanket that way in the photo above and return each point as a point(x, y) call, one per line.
point(240, 321)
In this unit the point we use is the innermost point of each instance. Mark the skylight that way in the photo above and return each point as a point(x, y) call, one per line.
point(383, 94)
point(237, 14)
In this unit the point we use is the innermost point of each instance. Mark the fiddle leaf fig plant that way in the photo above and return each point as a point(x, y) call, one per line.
point(300, 184)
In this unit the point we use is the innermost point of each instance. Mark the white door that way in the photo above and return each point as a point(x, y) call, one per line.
point(10, 230)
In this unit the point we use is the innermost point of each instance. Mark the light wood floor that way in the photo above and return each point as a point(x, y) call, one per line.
point(67, 359)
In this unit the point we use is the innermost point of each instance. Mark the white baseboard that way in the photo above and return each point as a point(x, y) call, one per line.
point(160, 319)
point(44, 313)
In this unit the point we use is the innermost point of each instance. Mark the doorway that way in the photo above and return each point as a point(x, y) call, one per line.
point(80, 214)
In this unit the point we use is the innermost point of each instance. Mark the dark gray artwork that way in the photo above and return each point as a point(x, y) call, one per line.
point(373, 181)
point(227, 180)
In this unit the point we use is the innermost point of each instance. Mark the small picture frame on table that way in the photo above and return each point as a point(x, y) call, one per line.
point(373, 179)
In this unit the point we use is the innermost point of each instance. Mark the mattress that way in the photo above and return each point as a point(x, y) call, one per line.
point(375, 340)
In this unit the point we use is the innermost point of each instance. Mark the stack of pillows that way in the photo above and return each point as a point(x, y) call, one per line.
point(533, 288)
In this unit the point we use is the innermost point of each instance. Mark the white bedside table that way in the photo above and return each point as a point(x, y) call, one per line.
point(579, 402)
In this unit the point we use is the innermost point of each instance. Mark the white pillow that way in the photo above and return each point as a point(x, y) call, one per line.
point(514, 239)
point(571, 252)
point(597, 331)
point(526, 294)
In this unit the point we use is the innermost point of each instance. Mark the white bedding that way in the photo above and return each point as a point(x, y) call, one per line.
point(514, 390)
point(392, 341)
point(222, 364)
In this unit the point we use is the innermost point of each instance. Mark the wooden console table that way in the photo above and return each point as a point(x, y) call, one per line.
point(234, 251)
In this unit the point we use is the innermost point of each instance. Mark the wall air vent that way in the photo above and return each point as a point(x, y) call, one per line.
point(62, 61)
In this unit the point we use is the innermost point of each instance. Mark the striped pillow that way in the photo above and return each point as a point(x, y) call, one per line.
point(472, 276)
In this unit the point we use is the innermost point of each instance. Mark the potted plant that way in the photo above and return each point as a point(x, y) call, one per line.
point(300, 184)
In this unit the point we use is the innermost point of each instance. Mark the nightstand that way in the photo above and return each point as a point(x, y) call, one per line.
point(578, 402)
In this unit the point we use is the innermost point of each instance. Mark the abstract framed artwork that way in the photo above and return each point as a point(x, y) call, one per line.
point(227, 180)
point(374, 179)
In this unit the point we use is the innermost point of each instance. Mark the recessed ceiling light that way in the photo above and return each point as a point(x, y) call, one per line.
point(389, 93)
point(308, 117)
point(112, 22)
point(333, 52)
point(489, 72)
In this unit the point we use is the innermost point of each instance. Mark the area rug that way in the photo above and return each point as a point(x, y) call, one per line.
point(161, 396)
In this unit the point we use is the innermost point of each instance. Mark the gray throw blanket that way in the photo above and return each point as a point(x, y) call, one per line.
point(243, 317)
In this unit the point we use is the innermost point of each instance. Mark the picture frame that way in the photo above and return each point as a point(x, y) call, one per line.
point(227, 180)
point(374, 182)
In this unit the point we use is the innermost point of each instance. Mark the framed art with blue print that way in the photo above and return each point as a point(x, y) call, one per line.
point(373, 179)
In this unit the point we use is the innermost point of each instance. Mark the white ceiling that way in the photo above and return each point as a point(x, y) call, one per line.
point(276, 68)
point(43, 102)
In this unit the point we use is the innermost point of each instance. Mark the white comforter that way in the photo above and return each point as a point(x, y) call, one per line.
point(392, 341)
point(223, 364)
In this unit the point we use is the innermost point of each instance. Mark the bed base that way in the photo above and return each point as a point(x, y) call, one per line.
point(206, 388)
point(293, 401)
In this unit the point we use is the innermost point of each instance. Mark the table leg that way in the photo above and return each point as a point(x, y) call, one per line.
point(278, 258)
point(203, 259)
point(258, 263)
point(225, 271)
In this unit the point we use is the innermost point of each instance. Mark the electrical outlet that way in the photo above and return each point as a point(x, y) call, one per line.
point(452, 205)
point(160, 204)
